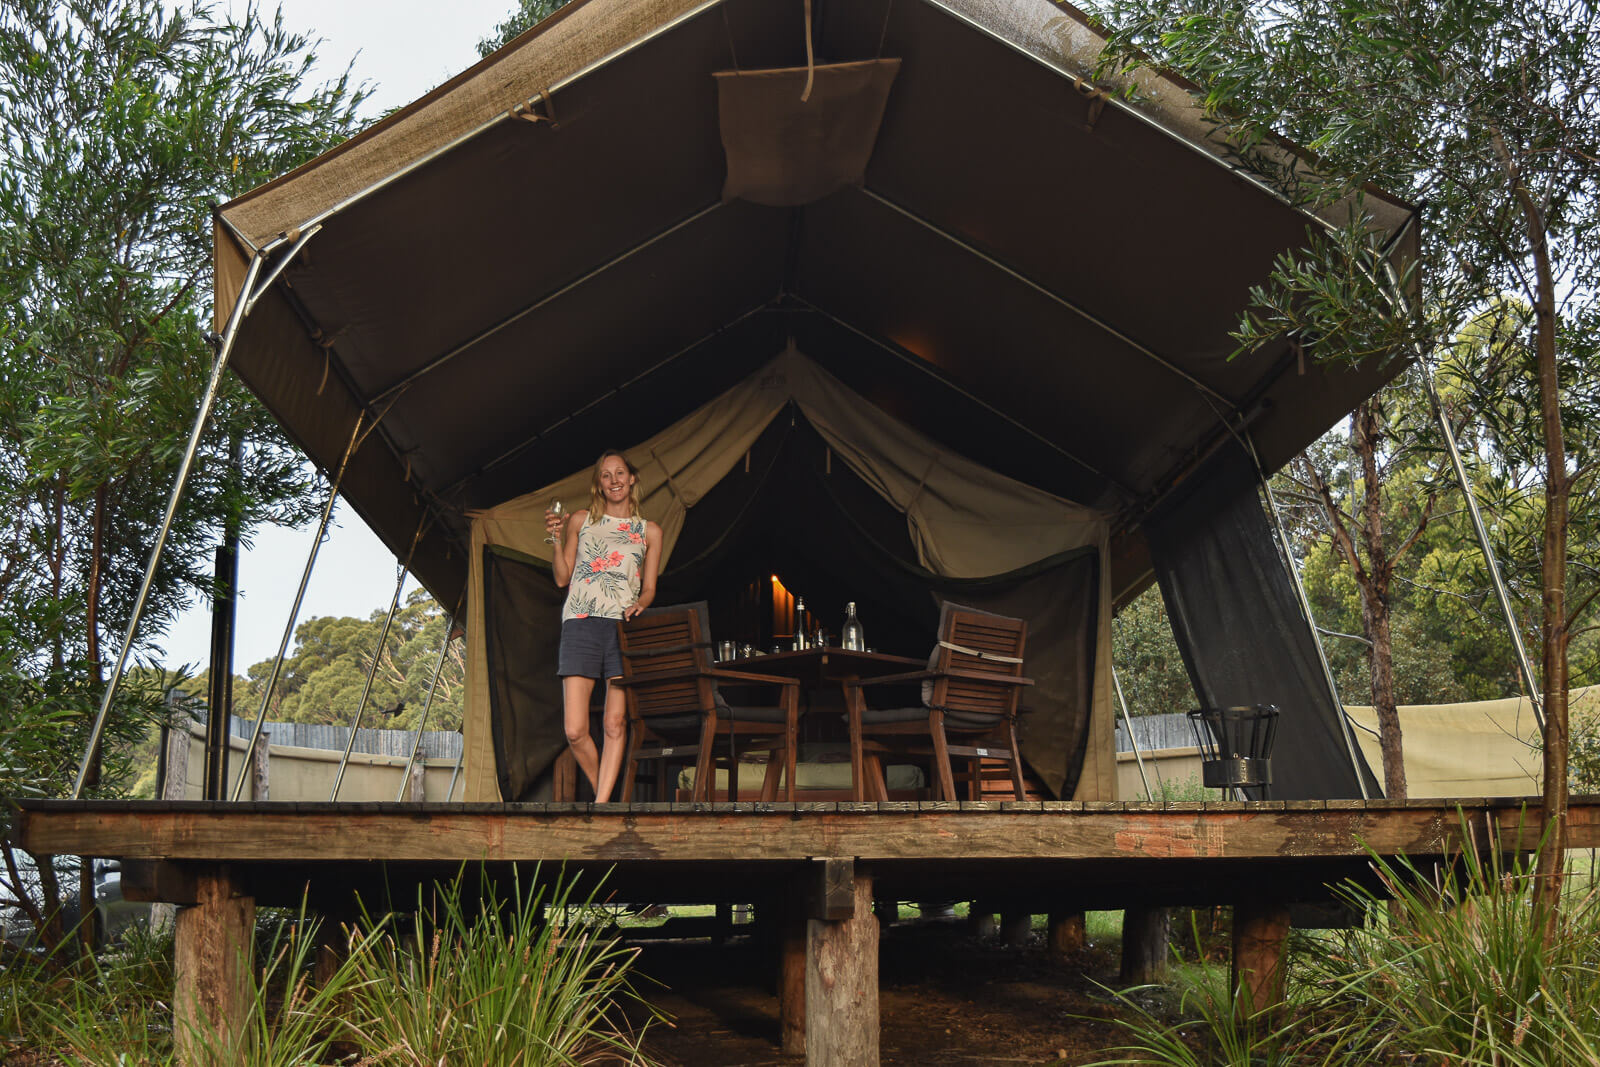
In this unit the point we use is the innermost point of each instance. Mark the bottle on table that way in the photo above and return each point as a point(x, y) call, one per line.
point(799, 641)
point(851, 635)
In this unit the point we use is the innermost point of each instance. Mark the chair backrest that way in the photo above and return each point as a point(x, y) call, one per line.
point(979, 643)
point(668, 641)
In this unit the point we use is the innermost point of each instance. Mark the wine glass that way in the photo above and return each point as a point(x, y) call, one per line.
point(557, 509)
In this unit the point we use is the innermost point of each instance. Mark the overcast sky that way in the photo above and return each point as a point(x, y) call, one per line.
point(404, 48)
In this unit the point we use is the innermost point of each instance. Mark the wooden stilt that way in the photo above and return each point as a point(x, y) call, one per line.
point(1067, 933)
point(842, 986)
point(1146, 938)
point(1259, 931)
point(980, 919)
point(1016, 928)
point(212, 958)
point(564, 777)
point(331, 951)
point(792, 975)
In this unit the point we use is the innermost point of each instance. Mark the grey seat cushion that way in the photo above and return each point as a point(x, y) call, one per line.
point(960, 720)
point(690, 721)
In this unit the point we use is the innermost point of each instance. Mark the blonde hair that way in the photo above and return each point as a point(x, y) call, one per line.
point(597, 500)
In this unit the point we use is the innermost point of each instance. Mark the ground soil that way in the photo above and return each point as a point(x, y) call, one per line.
point(946, 997)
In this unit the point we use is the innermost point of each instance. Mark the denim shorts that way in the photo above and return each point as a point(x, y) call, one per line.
point(589, 648)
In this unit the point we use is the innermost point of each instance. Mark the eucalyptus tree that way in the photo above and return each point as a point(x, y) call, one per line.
point(1486, 115)
point(1372, 529)
point(526, 15)
point(123, 123)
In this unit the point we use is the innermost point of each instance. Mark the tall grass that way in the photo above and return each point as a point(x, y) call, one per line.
point(477, 978)
point(1451, 969)
point(492, 984)
point(92, 1010)
point(1455, 968)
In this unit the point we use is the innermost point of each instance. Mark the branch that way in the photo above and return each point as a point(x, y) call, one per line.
point(1583, 605)
point(35, 916)
point(1422, 524)
point(1341, 536)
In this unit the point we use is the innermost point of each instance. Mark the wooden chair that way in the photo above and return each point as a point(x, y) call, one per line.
point(676, 709)
point(970, 694)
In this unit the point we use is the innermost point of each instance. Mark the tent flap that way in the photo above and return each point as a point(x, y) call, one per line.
point(1242, 634)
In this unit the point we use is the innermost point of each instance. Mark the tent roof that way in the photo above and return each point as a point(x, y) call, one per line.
point(1033, 274)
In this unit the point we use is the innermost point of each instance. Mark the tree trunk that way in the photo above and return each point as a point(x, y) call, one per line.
point(1554, 630)
point(1551, 866)
point(1366, 435)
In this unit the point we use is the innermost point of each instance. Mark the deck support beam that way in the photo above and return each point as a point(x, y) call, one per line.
point(212, 959)
point(1260, 929)
point(842, 985)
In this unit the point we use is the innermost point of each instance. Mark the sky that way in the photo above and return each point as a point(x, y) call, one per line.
point(403, 48)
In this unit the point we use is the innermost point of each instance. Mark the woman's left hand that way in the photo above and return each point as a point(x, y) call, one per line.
point(632, 611)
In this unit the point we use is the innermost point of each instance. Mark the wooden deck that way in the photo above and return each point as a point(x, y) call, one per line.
point(818, 865)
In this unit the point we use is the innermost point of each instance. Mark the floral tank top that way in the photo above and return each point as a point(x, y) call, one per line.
point(606, 573)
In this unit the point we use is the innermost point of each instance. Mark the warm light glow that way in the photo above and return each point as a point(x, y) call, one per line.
point(782, 609)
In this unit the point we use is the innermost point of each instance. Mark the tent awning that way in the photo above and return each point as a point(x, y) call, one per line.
point(1036, 278)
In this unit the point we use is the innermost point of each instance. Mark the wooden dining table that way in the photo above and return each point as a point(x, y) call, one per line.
point(817, 669)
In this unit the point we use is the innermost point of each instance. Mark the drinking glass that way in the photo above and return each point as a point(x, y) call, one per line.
point(556, 509)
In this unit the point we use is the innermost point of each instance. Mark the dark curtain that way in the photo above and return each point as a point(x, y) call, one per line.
point(1239, 626)
point(794, 513)
point(522, 617)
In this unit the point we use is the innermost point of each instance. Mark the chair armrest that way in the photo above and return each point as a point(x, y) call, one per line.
point(659, 676)
point(982, 676)
point(725, 675)
point(715, 674)
point(880, 679)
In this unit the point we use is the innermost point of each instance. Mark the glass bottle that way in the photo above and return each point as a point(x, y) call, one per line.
point(799, 642)
point(851, 635)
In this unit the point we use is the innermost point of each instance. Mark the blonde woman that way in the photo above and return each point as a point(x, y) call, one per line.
point(607, 557)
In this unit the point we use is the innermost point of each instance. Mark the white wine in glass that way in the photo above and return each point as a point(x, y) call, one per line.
point(557, 510)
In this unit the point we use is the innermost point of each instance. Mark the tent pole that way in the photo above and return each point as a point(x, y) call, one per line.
point(230, 335)
point(1052, 295)
point(378, 655)
point(1132, 740)
point(427, 705)
point(1502, 594)
point(1311, 623)
point(299, 596)
point(300, 240)
point(455, 775)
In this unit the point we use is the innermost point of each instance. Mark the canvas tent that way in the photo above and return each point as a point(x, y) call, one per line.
point(1018, 271)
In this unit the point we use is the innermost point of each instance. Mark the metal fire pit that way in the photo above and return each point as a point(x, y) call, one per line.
point(1236, 747)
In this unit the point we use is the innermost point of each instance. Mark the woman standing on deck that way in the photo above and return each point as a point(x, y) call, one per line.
point(607, 556)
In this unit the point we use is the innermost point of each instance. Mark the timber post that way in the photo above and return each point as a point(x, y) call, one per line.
point(1015, 927)
point(792, 921)
point(1146, 938)
point(260, 772)
point(1067, 933)
point(1257, 976)
point(212, 960)
point(842, 973)
point(981, 920)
